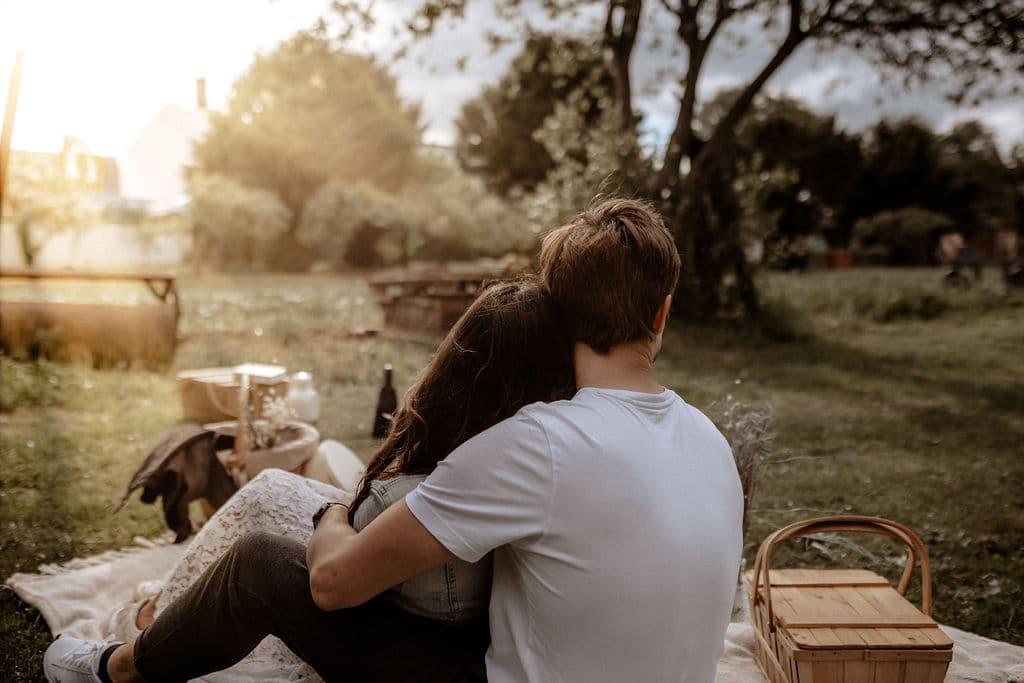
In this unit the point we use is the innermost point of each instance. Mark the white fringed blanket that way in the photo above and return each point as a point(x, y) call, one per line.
point(77, 598)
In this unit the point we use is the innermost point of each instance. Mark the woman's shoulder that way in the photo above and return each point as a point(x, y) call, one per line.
point(383, 494)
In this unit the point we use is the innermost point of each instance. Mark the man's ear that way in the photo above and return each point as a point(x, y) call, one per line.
point(661, 315)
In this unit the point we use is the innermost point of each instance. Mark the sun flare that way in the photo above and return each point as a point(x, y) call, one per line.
point(101, 70)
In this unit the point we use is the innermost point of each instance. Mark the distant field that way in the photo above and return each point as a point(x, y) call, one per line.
point(895, 399)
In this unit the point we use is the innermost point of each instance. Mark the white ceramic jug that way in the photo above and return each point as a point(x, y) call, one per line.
point(302, 397)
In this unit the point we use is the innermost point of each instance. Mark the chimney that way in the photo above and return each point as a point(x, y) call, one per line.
point(201, 94)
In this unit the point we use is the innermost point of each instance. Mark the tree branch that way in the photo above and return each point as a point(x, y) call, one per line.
point(683, 141)
point(670, 8)
point(726, 128)
point(722, 14)
point(796, 11)
point(430, 12)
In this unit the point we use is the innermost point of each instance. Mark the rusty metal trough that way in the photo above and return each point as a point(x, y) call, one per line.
point(102, 334)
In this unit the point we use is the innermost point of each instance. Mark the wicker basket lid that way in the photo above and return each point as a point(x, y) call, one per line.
point(849, 609)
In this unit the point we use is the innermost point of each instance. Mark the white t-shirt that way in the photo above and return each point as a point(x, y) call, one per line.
point(616, 523)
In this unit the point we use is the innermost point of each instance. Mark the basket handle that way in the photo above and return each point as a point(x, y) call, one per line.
point(847, 523)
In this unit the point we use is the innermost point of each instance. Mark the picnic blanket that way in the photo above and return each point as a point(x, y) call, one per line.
point(77, 598)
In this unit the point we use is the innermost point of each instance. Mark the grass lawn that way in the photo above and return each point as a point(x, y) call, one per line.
point(890, 398)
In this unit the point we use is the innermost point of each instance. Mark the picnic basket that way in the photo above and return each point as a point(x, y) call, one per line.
point(212, 394)
point(844, 625)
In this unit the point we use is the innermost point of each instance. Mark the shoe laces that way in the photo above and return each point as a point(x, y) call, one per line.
point(87, 654)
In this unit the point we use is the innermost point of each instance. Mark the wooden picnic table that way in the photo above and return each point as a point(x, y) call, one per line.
point(430, 300)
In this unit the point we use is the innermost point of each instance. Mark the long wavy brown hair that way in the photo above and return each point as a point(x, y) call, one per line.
point(509, 349)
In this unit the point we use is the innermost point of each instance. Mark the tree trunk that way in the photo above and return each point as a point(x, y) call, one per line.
point(681, 142)
point(618, 45)
point(724, 132)
point(707, 236)
point(29, 250)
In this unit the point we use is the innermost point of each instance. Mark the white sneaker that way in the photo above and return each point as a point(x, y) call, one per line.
point(73, 660)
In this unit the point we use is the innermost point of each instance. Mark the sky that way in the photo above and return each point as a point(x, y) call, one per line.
point(102, 69)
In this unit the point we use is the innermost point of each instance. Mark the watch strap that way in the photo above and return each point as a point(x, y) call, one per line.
point(319, 514)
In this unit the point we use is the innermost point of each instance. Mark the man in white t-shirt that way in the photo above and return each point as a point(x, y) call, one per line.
point(615, 517)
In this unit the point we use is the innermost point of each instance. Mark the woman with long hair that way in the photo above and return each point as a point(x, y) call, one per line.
point(506, 351)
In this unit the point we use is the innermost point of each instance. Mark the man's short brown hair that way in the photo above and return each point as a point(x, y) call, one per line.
point(609, 269)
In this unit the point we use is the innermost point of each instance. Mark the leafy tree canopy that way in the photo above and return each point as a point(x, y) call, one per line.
point(959, 174)
point(496, 129)
point(40, 205)
point(308, 112)
point(908, 235)
point(802, 175)
point(793, 166)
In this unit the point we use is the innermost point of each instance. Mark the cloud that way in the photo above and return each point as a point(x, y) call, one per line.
point(1005, 117)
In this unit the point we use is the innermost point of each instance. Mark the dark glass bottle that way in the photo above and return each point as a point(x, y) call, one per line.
point(387, 404)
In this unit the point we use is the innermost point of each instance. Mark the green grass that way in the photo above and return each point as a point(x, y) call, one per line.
point(883, 406)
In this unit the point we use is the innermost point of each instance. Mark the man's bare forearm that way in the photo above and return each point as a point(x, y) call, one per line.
point(347, 568)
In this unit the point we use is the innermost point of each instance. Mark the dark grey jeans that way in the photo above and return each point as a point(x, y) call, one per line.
point(261, 587)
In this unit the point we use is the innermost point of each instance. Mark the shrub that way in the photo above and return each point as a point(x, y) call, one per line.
point(909, 235)
point(27, 385)
point(442, 215)
point(911, 305)
point(234, 226)
point(356, 224)
point(780, 321)
point(462, 219)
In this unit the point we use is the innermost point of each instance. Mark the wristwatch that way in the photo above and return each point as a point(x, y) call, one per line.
point(318, 515)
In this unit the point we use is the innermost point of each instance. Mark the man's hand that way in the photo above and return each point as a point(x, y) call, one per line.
point(332, 528)
point(347, 568)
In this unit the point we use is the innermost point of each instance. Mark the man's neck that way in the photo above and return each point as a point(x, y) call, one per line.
point(627, 366)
